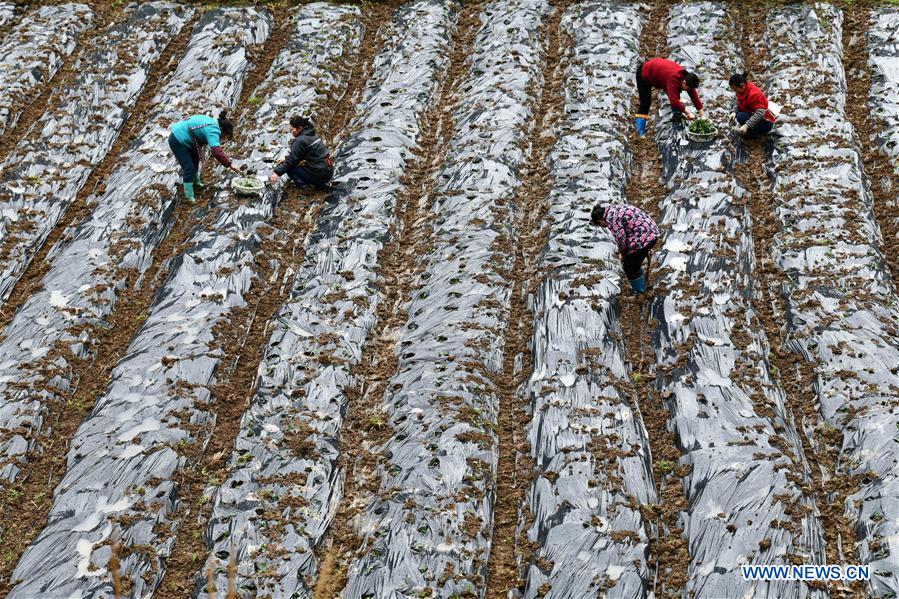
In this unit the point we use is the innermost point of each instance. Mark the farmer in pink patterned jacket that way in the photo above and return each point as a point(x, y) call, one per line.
point(635, 233)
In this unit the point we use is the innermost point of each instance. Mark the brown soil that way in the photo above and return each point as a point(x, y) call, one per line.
point(880, 172)
point(81, 208)
point(34, 104)
point(399, 265)
point(795, 376)
point(821, 444)
point(515, 469)
point(334, 120)
point(243, 338)
point(668, 551)
point(46, 464)
point(244, 334)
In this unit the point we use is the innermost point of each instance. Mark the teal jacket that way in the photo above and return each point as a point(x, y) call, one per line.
point(205, 130)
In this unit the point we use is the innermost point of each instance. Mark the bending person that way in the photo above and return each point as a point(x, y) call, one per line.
point(308, 164)
point(187, 140)
point(753, 117)
point(667, 75)
point(635, 234)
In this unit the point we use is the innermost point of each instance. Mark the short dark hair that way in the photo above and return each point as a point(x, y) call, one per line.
point(738, 79)
point(597, 214)
point(691, 79)
point(300, 122)
point(225, 124)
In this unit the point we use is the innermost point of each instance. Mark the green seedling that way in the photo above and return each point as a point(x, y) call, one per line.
point(702, 126)
point(665, 466)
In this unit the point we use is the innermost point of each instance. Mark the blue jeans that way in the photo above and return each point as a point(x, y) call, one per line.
point(763, 128)
point(303, 178)
point(187, 157)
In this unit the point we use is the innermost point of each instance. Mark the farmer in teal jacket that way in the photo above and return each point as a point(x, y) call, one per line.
point(187, 140)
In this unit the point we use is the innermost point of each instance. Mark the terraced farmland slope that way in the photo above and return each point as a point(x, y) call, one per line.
point(432, 380)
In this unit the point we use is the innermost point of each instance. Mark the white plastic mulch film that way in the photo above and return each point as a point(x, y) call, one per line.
point(842, 310)
point(7, 13)
point(63, 147)
point(48, 167)
point(34, 50)
point(747, 470)
point(883, 47)
point(430, 524)
point(121, 480)
point(278, 503)
point(62, 321)
point(587, 439)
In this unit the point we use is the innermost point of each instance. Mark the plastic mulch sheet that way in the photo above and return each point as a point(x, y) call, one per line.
point(587, 438)
point(48, 167)
point(430, 524)
point(285, 459)
point(7, 13)
point(883, 48)
point(61, 322)
point(121, 483)
point(32, 53)
point(745, 466)
point(842, 309)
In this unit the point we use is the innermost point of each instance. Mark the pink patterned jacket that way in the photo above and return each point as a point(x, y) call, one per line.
point(632, 228)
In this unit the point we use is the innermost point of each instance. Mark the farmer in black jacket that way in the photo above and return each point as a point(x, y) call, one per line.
point(308, 163)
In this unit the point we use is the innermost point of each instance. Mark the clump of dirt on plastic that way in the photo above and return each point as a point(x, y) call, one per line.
point(242, 337)
point(47, 465)
point(35, 103)
point(820, 443)
point(40, 100)
point(879, 170)
point(793, 374)
point(399, 266)
point(515, 469)
point(668, 551)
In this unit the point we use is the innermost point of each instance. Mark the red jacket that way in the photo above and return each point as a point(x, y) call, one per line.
point(667, 75)
point(753, 99)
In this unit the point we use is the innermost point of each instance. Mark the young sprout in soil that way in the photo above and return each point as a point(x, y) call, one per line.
point(665, 466)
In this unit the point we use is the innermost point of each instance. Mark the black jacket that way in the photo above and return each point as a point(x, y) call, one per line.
point(309, 151)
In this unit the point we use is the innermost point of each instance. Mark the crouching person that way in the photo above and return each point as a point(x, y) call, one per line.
point(635, 233)
point(308, 164)
point(754, 118)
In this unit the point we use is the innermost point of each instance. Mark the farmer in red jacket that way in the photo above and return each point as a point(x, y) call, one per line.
point(635, 234)
point(753, 117)
point(667, 75)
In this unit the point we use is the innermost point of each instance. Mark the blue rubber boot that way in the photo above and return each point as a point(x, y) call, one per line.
point(641, 124)
point(197, 181)
point(638, 285)
point(189, 193)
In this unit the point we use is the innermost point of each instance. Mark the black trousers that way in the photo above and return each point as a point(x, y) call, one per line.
point(645, 91)
point(633, 262)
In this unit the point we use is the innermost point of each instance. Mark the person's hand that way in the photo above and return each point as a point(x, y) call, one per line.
point(744, 129)
point(235, 168)
point(688, 114)
point(701, 113)
point(273, 178)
